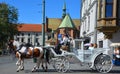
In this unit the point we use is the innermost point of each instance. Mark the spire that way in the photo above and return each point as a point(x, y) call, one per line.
point(67, 22)
point(64, 10)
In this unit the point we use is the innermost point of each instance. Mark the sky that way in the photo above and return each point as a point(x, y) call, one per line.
point(30, 11)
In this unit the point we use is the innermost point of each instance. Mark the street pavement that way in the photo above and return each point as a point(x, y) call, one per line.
point(7, 66)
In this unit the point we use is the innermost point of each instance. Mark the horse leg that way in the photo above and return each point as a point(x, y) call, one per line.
point(18, 63)
point(38, 62)
point(19, 59)
point(42, 65)
point(36, 67)
point(43, 62)
point(46, 68)
point(22, 64)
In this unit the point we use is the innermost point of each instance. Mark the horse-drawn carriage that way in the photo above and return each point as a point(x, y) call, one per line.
point(97, 58)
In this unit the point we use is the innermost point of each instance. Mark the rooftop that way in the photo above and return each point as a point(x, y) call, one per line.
point(30, 27)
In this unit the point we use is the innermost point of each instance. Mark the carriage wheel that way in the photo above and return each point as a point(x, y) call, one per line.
point(61, 65)
point(103, 63)
point(90, 66)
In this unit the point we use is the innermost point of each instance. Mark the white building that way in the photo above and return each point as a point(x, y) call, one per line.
point(100, 21)
point(30, 33)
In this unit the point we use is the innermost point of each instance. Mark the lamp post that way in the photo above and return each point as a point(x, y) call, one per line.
point(43, 24)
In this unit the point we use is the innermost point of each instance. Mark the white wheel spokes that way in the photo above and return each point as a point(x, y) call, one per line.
point(104, 64)
point(62, 65)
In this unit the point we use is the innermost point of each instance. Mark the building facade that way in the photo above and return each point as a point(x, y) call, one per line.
point(100, 21)
point(30, 33)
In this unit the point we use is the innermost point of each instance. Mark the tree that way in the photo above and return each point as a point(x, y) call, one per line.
point(8, 22)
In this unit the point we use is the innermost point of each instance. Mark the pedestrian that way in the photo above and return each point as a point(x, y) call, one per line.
point(117, 53)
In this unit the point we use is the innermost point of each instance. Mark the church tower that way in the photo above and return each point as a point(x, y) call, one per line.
point(64, 10)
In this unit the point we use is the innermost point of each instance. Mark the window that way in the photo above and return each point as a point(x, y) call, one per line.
point(88, 23)
point(22, 40)
point(100, 44)
point(36, 40)
point(28, 40)
point(29, 34)
point(118, 23)
point(109, 1)
point(36, 34)
point(109, 8)
point(22, 34)
point(18, 34)
point(101, 8)
point(18, 39)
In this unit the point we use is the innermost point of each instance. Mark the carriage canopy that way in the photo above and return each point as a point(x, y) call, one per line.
point(115, 44)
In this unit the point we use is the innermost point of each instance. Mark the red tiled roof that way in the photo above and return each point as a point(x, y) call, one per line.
point(30, 28)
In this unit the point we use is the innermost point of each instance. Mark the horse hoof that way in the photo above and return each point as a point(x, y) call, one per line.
point(21, 69)
point(45, 70)
point(33, 70)
point(17, 71)
point(43, 67)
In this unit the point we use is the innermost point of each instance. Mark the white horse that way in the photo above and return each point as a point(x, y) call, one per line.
point(27, 52)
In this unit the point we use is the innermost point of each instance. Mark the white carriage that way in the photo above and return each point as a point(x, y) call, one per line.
point(97, 58)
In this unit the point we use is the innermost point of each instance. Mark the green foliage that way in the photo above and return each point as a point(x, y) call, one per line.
point(8, 22)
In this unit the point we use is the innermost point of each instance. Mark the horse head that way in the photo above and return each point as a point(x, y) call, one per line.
point(11, 46)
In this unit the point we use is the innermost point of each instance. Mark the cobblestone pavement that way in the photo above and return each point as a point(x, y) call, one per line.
point(7, 66)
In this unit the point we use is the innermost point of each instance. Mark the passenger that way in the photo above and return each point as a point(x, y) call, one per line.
point(91, 47)
point(117, 53)
point(95, 45)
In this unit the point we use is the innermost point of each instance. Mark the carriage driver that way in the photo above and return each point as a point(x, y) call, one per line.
point(64, 41)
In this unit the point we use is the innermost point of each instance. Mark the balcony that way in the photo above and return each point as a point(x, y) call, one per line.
point(108, 26)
